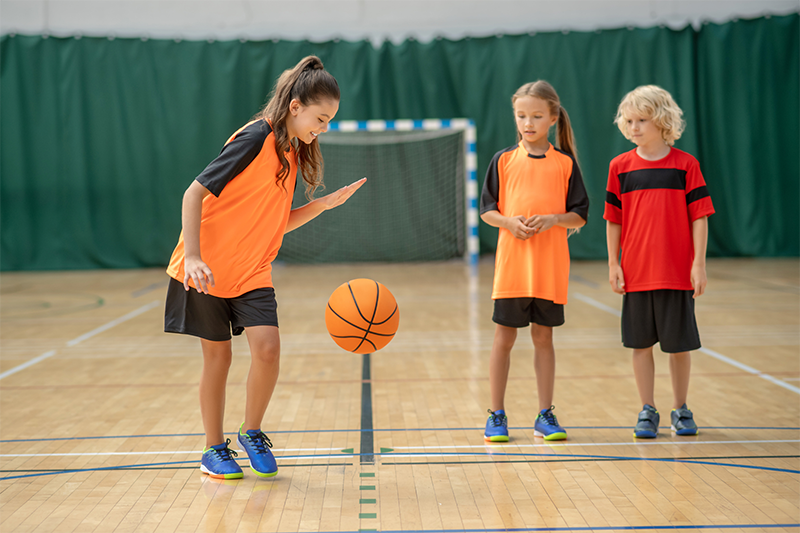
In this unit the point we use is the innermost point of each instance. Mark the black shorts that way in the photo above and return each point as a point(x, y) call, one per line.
point(664, 316)
point(212, 318)
point(520, 312)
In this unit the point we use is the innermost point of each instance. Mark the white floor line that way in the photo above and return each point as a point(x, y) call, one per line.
point(737, 364)
point(599, 305)
point(494, 447)
point(593, 444)
point(712, 353)
point(113, 323)
point(82, 338)
point(32, 362)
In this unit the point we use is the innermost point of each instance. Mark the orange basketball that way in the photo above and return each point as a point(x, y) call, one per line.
point(362, 316)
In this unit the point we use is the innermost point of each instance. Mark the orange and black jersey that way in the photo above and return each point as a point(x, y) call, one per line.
point(244, 218)
point(656, 203)
point(518, 183)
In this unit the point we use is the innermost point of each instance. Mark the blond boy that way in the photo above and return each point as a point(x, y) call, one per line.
point(657, 208)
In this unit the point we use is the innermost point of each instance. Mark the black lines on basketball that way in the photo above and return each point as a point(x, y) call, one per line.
point(362, 316)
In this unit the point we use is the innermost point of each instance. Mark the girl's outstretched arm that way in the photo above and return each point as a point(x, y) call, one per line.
point(193, 265)
point(312, 209)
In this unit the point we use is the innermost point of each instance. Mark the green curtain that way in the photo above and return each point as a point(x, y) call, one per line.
point(100, 137)
point(750, 134)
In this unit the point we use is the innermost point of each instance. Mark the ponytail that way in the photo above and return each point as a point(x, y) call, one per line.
point(309, 83)
point(565, 138)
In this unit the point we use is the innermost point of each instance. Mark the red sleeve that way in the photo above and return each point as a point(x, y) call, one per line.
point(698, 199)
point(613, 208)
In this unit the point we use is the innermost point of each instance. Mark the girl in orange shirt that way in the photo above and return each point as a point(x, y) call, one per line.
point(234, 216)
point(534, 193)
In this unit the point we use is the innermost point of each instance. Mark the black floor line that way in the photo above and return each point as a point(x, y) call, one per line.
point(367, 456)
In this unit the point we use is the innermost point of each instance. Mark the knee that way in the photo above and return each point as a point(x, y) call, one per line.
point(541, 336)
point(681, 357)
point(504, 338)
point(218, 356)
point(266, 353)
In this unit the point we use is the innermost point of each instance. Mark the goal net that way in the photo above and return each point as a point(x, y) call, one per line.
point(419, 202)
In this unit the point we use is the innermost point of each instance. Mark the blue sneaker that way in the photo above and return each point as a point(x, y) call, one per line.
point(647, 426)
point(683, 421)
point(546, 425)
point(257, 446)
point(496, 426)
point(218, 463)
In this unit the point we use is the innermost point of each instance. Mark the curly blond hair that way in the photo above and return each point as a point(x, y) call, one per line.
point(656, 104)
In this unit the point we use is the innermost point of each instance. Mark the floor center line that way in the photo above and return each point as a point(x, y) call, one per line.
point(366, 413)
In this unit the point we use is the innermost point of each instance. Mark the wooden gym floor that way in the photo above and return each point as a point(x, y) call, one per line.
point(100, 425)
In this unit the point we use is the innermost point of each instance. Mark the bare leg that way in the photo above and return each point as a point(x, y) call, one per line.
point(680, 365)
point(265, 353)
point(499, 364)
point(216, 363)
point(644, 370)
point(544, 362)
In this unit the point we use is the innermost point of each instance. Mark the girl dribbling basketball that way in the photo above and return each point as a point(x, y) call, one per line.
point(234, 216)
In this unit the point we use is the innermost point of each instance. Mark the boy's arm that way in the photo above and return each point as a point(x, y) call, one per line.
point(314, 208)
point(516, 225)
point(700, 239)
point(193, 264)
point(615, 275)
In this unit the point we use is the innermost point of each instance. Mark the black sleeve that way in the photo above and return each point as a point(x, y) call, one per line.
point(234, 157)
point(577, 199)
point(491, 186)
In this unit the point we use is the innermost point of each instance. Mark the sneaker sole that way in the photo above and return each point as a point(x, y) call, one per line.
point(645, 434)
point(496, 438)
point(209, 473)
point(552, 436)
point(685, 432)
point(262, 474)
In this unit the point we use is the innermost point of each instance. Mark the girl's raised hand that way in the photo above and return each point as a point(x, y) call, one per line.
point(200, 274)
point(337, 198)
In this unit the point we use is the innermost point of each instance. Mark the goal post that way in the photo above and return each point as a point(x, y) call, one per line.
point(420, 202)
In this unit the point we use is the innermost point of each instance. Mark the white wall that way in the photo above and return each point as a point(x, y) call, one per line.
point(322, 20)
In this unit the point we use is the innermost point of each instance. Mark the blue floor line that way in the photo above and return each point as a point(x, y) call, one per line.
point(586, 528)
point(445, 454)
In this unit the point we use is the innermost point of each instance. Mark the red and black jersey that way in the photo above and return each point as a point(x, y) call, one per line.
point(656, 203)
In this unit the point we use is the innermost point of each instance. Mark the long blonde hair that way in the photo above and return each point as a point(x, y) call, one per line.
point(309, 83)
point(565, 138)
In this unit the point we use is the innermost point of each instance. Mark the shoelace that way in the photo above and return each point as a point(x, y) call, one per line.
point(260, 442)
point(549, 417)
point(497, 420)
point(225, 453)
